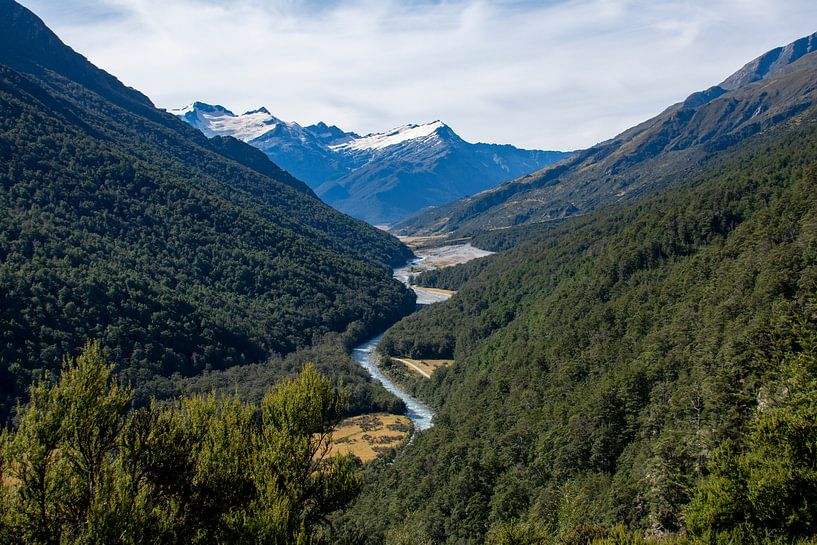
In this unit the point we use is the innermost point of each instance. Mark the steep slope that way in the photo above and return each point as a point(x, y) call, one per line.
point(641, 160)
point(179, 253)
point(598, 366)
point(379, 177)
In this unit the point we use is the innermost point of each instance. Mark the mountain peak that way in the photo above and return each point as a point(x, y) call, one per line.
point(330, 135)
point(216, 120)
point(212, 108)
point(376, 141)
point(771, 62)
point(197, 107)
point(381, 177)
point(261, 110)
point(763, 67)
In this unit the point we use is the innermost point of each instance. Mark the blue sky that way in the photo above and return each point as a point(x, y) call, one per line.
point(554, 74)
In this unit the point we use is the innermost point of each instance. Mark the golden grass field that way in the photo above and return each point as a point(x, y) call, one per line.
point(450, 293)
point(370, 435)
point(7, 481)
point(425, 368)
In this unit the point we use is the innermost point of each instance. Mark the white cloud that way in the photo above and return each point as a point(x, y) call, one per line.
point(555, 74)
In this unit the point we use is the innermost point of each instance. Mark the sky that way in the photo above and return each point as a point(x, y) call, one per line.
point(550, 74)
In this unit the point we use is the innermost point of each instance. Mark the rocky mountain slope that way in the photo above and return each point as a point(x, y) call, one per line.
point(767, 91)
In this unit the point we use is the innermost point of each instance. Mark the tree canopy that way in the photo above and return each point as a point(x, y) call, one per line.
point(82, 467)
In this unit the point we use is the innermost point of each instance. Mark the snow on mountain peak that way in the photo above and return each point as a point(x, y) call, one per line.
point(393, 137)
point(219, 121)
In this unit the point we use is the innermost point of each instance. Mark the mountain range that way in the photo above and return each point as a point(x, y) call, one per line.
point(771, 89)
point(383, 177)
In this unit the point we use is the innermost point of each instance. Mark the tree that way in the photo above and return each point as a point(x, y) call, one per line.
point(769, 483)
point(82, 467)
point(60, 460)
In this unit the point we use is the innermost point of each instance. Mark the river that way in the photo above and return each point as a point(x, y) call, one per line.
point(366, 354)
point(420, 413)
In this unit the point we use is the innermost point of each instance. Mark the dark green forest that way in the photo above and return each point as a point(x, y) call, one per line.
point(180, 254)
point(644, 370)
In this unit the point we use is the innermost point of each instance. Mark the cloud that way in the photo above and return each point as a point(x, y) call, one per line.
point(559, 74)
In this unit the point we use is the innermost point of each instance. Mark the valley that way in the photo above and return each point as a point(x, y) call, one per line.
point(224, 329)
point(430, 258)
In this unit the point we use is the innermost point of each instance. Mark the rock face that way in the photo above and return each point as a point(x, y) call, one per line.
point(381, 177)
point(770, 90)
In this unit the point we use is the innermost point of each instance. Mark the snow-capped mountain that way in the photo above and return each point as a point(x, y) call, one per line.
point(381, 177)
point(219, 121)
point(391, 138)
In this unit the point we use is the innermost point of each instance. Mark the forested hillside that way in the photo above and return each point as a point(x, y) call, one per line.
point(179, 254)
point(650, 365)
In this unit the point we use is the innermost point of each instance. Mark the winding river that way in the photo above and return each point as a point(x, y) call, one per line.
point(366, 354)
point(420, 413)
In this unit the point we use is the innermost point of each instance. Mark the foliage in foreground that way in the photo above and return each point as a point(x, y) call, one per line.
point(81, 467)
point(519, 533)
